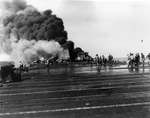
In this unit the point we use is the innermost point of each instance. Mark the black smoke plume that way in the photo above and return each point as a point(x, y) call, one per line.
point(26, 22)
point(24, 27)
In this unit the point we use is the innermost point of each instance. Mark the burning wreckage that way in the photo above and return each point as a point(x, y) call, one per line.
point(27, 33)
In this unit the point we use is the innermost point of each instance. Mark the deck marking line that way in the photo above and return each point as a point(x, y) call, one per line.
point(75, 109)
point(43, 92)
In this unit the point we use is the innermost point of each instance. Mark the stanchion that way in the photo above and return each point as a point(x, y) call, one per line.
point(9, 73)
point(3, 78)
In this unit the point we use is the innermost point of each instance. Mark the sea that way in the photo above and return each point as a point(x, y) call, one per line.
point(126, 59)
point(4, 63)
point(121, 59)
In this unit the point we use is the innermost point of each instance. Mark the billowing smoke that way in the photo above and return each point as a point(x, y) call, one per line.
point(27, 51)
point(28, 33)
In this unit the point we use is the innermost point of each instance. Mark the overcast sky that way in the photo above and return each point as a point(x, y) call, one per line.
point(98, 27)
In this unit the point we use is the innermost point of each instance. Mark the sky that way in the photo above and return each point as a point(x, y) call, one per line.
point(103, 27)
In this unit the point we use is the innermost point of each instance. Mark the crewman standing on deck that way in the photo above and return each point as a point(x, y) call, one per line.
point(48, 65)
point(97, 60)
point(143, 59)
point(148, 56)
point(132, 59)
point(21, 66)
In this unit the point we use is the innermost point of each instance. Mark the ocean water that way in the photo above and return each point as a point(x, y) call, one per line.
point(121, 58)
point(4, 63)
point(126, 59)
